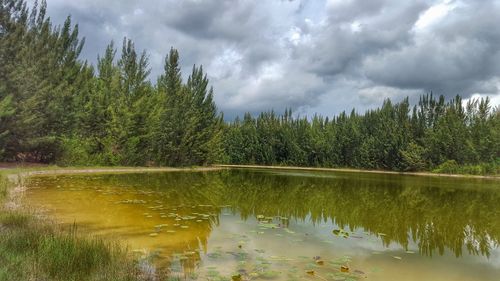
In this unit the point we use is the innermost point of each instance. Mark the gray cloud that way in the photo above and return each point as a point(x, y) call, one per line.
point(452, 58)
point(314, 56)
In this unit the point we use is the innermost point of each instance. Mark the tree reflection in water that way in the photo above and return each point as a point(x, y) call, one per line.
point(438, 214)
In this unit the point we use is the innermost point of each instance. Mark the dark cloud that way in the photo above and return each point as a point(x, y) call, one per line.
point(454, 57)
point(324, 56)
point(214, 19)
point(341, 46)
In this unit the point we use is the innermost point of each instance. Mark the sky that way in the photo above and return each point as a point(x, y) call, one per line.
point(322, 56)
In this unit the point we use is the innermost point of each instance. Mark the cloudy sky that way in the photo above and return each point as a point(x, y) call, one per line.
point(321, 56)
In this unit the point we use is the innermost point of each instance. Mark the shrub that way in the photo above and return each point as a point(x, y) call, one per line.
point(448, 167)
point(413, 158)
point(451, 167)
point(79, 152)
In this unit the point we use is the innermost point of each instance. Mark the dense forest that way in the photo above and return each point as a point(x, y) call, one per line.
point(393, 137)
point(57, 108)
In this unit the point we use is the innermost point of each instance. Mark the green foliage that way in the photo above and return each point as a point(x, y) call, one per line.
point(3, 188)
point(413, 158)
point(67, 254)
point(186, 127)
point(30, 250)
point(39, 67)
point(448, 167)
point(55, 107)
point(452, 167)
point(80, 151)
point(6, 111)
point(393, 137)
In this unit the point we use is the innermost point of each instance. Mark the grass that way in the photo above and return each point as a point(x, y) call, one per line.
point(34, 249)
point(4, 184)
point(30, 250)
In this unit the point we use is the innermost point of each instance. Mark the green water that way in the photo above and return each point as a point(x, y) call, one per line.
point(288, 225)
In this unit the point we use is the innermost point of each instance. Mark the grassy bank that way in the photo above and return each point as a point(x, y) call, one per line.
point(35, 249)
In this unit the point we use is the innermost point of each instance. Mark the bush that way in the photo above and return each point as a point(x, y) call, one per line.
point(79, 152)
point(448, 167)
point(413, 158)
point(452, 167)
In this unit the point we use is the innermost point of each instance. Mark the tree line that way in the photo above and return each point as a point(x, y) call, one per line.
point(56, 107)
point(395, 136)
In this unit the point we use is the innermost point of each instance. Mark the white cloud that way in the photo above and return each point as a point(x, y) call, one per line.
point(434, 14)
point(218, 67)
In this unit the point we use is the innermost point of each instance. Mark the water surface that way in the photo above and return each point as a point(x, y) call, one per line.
point(288, 225)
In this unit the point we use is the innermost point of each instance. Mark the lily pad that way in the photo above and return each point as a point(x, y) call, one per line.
point(340, 233)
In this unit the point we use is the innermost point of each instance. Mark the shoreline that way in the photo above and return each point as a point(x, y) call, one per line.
point(55, 170)
point(349, 170)
point(105, 170)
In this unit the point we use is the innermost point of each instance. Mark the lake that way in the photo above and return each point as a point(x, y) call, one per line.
point(242, 224)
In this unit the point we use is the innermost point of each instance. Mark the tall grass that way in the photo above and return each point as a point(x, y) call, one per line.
point(32, 249)
point(3, 187)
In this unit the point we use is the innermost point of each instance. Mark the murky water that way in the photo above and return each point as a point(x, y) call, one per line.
point(288, 225)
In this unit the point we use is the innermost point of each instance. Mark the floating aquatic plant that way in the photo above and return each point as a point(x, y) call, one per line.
point(340, 233)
